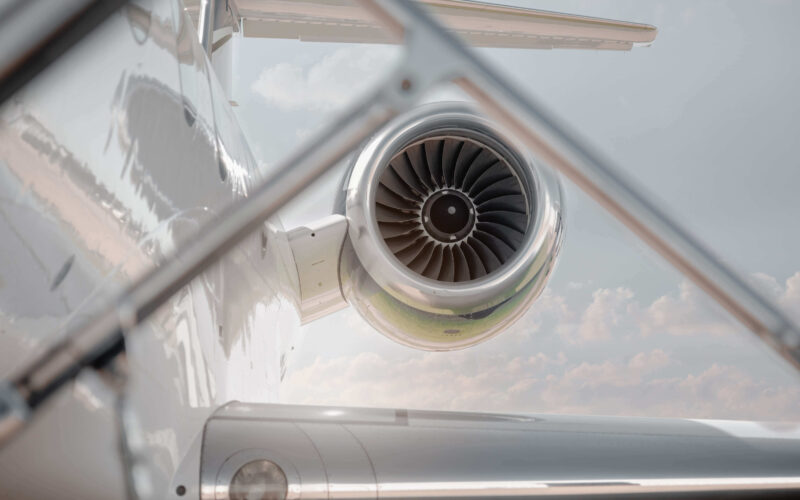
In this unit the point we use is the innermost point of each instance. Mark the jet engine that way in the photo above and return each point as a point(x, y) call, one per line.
point(452, 229)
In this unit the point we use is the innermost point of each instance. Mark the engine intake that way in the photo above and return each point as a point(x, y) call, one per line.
point(452, 229)
point(451, 208)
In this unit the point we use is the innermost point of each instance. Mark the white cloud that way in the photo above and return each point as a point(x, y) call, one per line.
point(690, 313)
point(612, 355)
point(789, 297)
point(647, 362)
point(786, 295)
point(329, 83)
point(510, 383)
point(611, 313)
point(577, 285)
point(548, 312)
point(615, 314)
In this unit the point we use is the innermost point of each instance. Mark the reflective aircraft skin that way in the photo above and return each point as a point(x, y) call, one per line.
point(114, 157)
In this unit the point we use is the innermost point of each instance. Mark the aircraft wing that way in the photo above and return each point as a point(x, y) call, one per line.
point(336, 452)
point(480, 24)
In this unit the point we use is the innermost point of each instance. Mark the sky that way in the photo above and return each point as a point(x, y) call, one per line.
point(705, 120)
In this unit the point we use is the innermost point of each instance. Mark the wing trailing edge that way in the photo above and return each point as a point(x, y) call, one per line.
point(479, 23)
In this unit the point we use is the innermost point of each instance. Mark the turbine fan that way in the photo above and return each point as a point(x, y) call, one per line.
point(452, 229)
point(451, 209)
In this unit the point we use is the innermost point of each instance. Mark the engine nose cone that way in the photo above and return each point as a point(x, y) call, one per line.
point(448, 216)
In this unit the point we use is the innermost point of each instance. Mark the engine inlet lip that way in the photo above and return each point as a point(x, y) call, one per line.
point(542, 235)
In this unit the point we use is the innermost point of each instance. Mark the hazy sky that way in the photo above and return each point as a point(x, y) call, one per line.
point(706, 119)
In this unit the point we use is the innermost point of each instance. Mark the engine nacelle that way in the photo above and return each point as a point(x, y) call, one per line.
point(453, 230)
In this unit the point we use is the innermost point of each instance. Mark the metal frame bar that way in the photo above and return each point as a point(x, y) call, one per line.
point(432, 56)
point(205, 25)
point(48, 36)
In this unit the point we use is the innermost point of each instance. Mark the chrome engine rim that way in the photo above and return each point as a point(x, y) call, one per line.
point(542, 231)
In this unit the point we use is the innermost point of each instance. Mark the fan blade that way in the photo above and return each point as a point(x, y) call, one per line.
point(509, 203)
point(496, 172)
point(385, 214)
point(488, 258)
point(397, 185)
point(466, 156)
point(448, 271)
point(389, 230)
point(514, 220)
point(434, 266)
point(496, 245)
point(390, 199)
point(462, 272)
point(498, 189)
point(485, 160)
point(398, 244)
point(510, 237)
point(411, 252)
point(420, 262)
point(450, 152)
point(402, 167)
point(416, 157)
point(433, 155)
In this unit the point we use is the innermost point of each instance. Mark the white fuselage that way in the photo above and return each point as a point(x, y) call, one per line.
point(109, 160)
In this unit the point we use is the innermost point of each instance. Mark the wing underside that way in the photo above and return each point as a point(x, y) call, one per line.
point(337, 452)
point(478, 23)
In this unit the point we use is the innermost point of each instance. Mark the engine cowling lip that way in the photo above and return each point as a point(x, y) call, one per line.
point(425, 293)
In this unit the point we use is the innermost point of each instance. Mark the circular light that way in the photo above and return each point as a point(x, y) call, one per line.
point(258, 480)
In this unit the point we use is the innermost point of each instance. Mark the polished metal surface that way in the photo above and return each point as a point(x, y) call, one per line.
point(205, 24)
point(339, 452)
point(100, 337)
point(24, 24)
point(100, 179)
point(14, 406)
point(481, 24)
point(542, 238)
point(316, 250)
point(34, 33)
point(434, 314)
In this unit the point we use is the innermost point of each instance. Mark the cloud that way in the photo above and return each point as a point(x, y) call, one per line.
point(510, 383)
point(790, 298)
point(605, 354)
point(610, 313)
point(616, 313)
point(690, 313)
point(329, 83)
point(786, 295)
point(429, 380)
point(647, 362)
